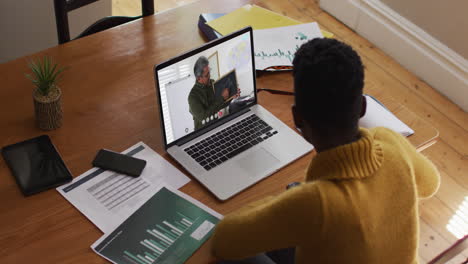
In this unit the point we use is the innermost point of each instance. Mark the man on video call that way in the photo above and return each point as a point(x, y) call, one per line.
point(202, 100)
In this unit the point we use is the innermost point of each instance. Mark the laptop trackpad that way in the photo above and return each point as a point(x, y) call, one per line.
point(257, 162)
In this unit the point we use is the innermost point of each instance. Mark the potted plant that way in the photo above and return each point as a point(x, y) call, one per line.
point(46, 95)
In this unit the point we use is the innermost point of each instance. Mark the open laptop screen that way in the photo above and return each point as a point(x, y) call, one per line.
point(206, 85)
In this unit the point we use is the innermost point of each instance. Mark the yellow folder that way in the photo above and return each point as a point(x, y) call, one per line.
point(255, 16)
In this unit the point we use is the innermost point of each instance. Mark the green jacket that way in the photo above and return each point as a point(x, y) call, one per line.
point(203, 104)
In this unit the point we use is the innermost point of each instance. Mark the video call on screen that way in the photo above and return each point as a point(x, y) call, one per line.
point(223, 85)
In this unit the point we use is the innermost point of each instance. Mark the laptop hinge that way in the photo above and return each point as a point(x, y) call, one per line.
point(217, 124)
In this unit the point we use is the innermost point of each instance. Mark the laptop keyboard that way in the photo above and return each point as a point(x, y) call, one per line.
point(227, 143)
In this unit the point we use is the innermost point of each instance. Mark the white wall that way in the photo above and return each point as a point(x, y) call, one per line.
point(28, 26)
point(446, 21)
point(427, 57)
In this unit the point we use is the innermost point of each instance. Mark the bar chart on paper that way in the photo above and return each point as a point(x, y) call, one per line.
point(161, 238)
point(166, 229)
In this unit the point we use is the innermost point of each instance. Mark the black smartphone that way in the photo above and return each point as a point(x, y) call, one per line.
point(121, 163)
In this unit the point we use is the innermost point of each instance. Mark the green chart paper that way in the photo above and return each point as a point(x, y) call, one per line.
point(166, 229)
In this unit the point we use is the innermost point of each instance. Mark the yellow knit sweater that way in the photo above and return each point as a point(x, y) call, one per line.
point(359, 204)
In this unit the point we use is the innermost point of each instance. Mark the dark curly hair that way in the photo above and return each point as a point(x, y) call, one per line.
point(328, 84)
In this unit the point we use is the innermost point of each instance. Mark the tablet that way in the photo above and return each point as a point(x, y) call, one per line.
point(36, 165)
point(229, 81)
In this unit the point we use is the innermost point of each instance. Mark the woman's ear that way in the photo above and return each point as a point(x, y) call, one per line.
point(297, 118)
point(364, 106)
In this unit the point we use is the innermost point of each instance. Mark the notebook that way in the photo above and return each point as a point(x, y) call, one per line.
point(227, 144)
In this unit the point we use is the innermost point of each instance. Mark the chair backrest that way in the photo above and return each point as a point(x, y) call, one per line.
point(451, 252)
point(62, 7)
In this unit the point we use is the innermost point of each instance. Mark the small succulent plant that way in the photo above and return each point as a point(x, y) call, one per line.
point(45, 74)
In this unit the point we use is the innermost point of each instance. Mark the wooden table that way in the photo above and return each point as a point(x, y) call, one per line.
point(110, 102)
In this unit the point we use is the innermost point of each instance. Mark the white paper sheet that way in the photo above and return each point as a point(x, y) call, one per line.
point(108, 198)
point(377, 115)
point(277, 46)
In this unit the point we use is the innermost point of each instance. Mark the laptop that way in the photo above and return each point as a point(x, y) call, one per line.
point(211, 121)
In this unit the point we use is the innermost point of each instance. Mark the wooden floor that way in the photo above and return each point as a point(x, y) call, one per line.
point(450, 154)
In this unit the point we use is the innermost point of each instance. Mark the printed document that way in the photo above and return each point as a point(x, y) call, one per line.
point(277, 46)
point(167, 229)
point(108, 198)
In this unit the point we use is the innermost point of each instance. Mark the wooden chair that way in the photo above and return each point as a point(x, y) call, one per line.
point(62, 7)
point(457, 248)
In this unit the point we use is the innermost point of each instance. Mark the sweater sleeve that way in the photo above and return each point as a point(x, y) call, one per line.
point(276, 223)
point(427, 176)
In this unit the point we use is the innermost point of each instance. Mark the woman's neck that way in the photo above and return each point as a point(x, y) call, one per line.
point(328, 142)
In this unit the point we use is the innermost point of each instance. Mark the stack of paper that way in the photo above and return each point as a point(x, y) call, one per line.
point(276, 37)
point(145, 219)
point(254, 16)
point(108, 198)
